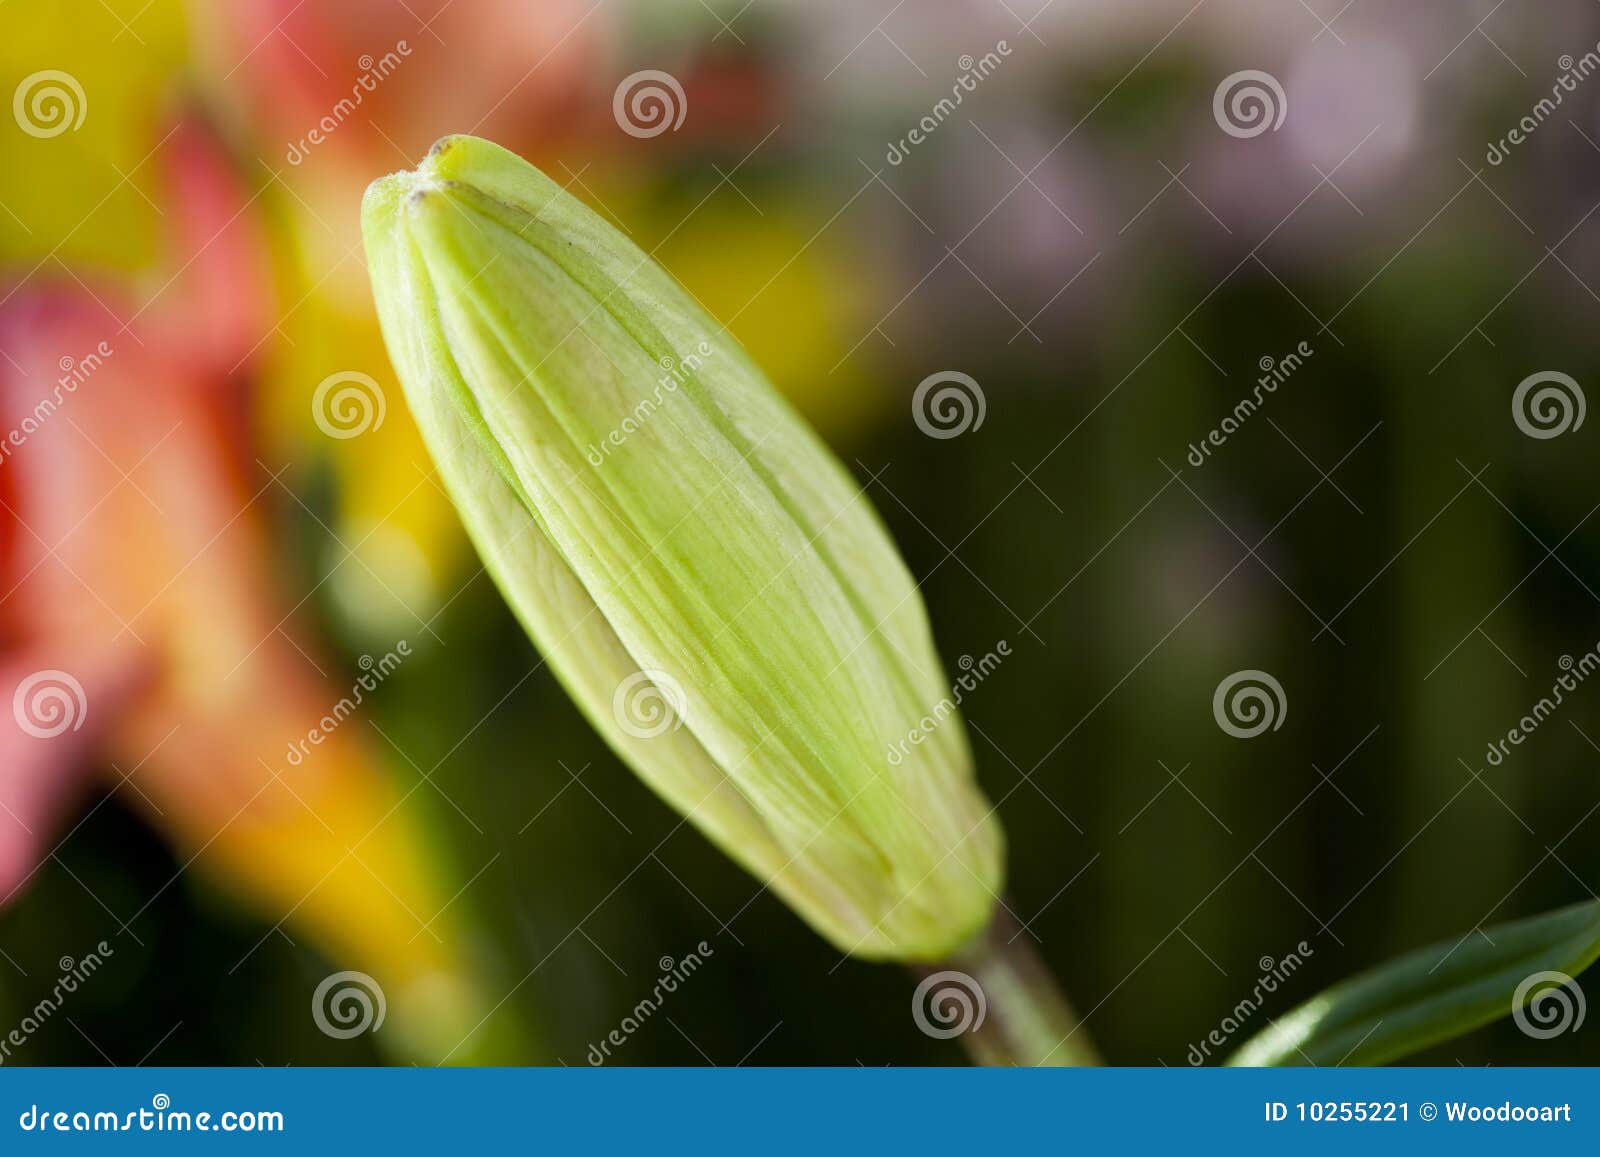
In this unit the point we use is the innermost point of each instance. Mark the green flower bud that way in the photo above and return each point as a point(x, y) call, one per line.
point(706, 579)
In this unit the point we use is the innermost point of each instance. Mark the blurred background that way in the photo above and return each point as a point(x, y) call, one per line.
point(273, 727)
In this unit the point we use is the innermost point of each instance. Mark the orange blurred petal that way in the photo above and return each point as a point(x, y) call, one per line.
point(135, 530)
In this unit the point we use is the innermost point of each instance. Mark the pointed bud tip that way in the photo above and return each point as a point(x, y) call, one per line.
point(443, 145)
point(440, 171)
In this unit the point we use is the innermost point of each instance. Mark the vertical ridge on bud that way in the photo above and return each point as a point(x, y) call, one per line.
point(716, 546)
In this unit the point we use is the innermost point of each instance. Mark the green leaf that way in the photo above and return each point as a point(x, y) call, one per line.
point(1436, 993)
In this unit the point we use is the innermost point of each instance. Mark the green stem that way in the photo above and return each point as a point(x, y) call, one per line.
point(1027, 1020)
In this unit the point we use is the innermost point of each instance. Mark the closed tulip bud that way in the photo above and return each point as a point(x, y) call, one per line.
point(708, 582)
